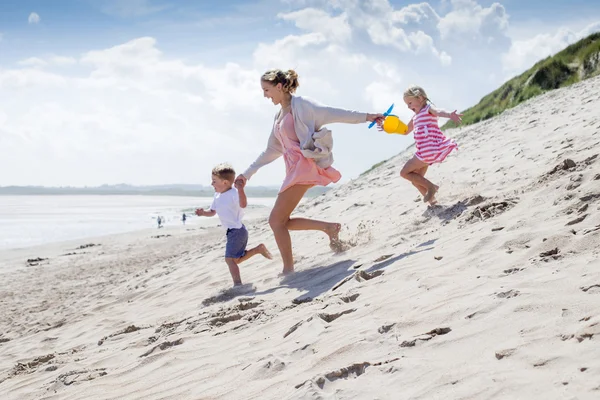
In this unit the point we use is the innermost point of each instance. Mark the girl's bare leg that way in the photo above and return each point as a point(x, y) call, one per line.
point(411, 170)
point(423, 189)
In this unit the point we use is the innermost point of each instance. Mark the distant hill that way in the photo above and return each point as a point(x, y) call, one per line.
point(576, 62)
point(153, 190)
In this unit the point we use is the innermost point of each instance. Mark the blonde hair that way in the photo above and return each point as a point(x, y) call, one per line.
point(224, 171)
point(288, 79)
point(416, 91)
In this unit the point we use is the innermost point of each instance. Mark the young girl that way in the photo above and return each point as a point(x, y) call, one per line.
point(432, 146)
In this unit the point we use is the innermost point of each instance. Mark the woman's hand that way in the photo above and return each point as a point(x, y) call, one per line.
point(378, 118)
point(240, 180)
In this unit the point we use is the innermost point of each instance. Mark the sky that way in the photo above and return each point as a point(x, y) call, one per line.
point(149, 92)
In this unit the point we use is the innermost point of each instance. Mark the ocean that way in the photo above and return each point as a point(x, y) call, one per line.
point(34, 220)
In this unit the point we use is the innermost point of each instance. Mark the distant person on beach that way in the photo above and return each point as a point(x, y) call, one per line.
point(431, 144)
point(298, 135)
point(183, 218)
point(228, 203)
point(159, 221)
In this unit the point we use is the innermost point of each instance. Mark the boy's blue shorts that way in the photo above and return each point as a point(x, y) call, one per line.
point(237, 239)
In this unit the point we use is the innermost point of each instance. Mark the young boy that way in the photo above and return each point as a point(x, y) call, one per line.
point(228, 204)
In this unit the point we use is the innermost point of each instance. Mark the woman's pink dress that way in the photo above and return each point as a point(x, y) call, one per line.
point(300, 170)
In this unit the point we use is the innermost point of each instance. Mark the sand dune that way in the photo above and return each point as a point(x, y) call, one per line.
point(494, 294)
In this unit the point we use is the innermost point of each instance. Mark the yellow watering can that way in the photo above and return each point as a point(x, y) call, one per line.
point(392, 124)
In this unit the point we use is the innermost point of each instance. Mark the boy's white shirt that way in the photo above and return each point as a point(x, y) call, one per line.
point(227, 206)
point(315, 141)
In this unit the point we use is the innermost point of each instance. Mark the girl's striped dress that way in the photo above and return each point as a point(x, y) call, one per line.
point(432, 146)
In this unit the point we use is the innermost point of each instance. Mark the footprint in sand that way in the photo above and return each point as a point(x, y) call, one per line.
point(332, 317)
point(592, 289)
point(77, 376)
point(426, 336)
point(385, 328)
point(489, 210)
point(129, 329)
point(34, 262)
point(508, 294)
point(163, 346)
point(28, 367)
point(86, 246)
point(552, 254)
point(324, 316)
point(360, 276)
point(504, 353)
point(350, 298)
point(352, 371)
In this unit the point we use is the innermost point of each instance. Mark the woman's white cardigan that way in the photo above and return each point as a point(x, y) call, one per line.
point(315, 141)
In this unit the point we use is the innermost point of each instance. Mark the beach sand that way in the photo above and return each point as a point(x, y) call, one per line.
point(494, 294)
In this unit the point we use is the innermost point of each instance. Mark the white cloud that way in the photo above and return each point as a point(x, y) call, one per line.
point(33, 62)
point(468, 19)
point(423, 43)
point(47, 61)
point(33, 78)
point(588, 30)
point(34, 18)
point(62, 61)
point(526, 52)
point(135, 112)
point(313, 20)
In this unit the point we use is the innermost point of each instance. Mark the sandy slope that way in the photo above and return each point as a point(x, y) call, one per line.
point(493, 295)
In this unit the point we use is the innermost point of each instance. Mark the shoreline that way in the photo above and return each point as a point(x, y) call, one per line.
point(40, 220)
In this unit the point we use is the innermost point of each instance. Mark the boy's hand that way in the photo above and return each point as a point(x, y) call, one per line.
point(200, 212)
point(240, 178)
point(239, 184)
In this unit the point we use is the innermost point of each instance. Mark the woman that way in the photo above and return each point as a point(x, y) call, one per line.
point(299, 136)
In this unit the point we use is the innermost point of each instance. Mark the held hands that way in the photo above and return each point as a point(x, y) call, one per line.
point(239, 184)
point(378, 118)
point(240, 181)
point(200, 212)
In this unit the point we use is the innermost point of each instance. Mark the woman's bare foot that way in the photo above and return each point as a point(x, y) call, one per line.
point(333, 231)
point(433, 201)
point(287, 271)
point(430, 193)
point(262, 249)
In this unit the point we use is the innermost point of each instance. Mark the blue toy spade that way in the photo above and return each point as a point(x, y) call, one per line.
point(385, 114)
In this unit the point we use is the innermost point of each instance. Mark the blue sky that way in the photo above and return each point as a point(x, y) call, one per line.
point(158, 91)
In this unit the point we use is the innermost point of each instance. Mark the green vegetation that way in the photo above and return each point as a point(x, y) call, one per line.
point(577, 62)
point(374, 166)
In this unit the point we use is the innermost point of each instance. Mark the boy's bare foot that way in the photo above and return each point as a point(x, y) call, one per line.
point(262, 249)
point(238, 284)
point(433, 201)
point(430, 193)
